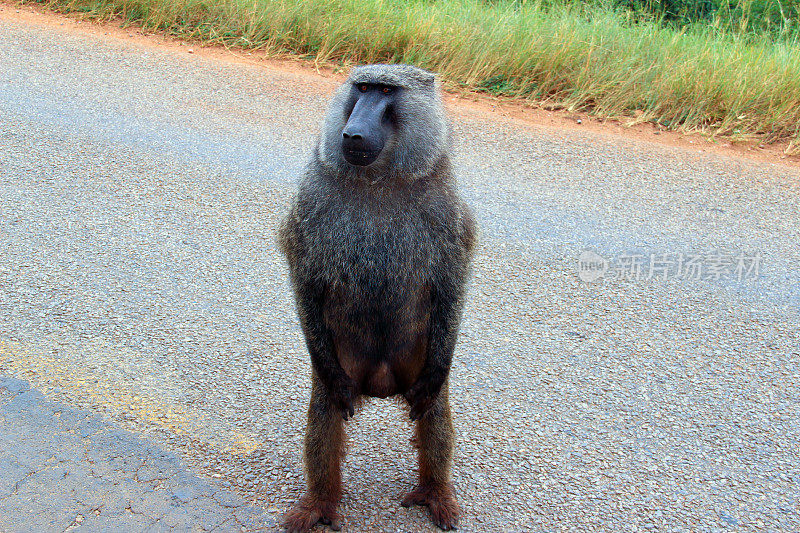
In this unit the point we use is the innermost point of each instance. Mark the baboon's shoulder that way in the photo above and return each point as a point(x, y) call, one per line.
point(289, 231)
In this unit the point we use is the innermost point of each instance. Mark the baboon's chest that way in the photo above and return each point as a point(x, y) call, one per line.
point(377, 266)
point(377, 306)
point(374, 259)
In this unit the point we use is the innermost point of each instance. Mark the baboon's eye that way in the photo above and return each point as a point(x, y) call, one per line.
point(386, 90)
point(363, 87)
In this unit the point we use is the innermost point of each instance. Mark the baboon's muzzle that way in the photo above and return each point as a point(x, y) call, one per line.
point(365, 133)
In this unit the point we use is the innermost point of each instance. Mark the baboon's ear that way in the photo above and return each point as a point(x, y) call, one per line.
point(428, 80)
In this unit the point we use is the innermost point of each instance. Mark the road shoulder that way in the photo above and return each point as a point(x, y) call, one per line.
point(64, 467)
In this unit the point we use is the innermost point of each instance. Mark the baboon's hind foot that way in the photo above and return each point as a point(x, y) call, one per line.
point(440, 501)
point(308, 511)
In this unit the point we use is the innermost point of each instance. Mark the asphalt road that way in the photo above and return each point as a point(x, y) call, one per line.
point(140, 286)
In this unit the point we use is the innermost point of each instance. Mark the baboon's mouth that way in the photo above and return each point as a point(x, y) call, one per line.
point(360, 158)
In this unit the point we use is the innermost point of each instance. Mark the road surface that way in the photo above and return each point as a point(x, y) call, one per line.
point(629, 359)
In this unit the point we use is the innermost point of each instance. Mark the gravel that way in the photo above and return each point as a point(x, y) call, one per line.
point(140, 190)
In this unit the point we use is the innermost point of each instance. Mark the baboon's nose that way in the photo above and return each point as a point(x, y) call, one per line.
point(353, 139)
point(352, 136)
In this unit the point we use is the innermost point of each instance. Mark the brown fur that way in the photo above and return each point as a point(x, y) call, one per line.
point(324, 449)
point(434, 438)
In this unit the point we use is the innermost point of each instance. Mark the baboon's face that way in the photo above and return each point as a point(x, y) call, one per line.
point(371, 121)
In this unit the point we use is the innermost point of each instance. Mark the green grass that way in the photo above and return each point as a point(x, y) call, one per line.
point(779, 18)
point(580, 57)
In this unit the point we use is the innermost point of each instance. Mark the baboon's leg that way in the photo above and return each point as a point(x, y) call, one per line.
point(324, 447)
point(435, 438)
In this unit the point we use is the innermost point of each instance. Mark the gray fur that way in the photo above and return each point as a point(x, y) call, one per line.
point(422, 139)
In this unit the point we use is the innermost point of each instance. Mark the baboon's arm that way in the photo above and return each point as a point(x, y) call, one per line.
point(326, 365)
point(446, 306)
point(309, 296)
point(443, 332)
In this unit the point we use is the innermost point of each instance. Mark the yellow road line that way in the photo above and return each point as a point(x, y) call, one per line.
point(94, 372)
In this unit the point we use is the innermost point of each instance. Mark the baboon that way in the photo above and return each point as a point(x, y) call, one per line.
point(379, 246)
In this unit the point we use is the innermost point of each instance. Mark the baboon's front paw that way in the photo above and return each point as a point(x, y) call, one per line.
point(342, 398)
point(307, 512)
point(440, 501)
point(420, 398)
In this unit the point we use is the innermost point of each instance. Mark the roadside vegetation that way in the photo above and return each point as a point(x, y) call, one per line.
point(727, 69)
